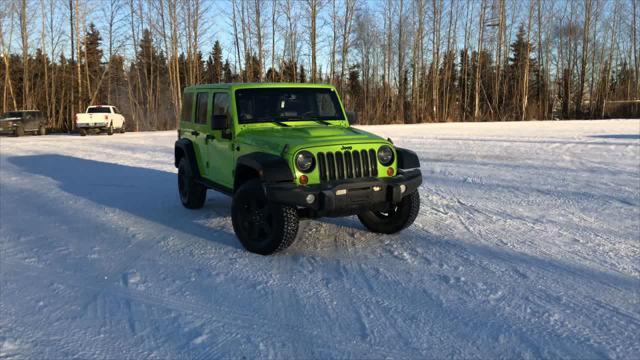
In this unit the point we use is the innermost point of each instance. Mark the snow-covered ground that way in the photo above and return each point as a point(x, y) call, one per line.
point(527, 245)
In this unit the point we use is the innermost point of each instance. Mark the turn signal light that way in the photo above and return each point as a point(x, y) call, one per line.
point(390, 171)
point(304, 179)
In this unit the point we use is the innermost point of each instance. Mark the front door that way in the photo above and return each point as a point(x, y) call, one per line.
point(220, 143)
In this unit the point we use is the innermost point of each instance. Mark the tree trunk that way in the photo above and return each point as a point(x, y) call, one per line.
point(585, 54)
point(313, 14)
point(476, 111)
point(26, 100)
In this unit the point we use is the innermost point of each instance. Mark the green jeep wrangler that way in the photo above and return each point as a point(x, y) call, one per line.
point(286, 152)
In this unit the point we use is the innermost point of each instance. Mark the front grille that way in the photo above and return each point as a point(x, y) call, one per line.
point(347, 164)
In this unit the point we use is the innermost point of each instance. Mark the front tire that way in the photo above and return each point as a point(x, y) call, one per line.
point(83, 132)
point(110, 129)
point(19, 131)
point(261, 226)
point(42, 130)
point(192, 194)
point(395, 218)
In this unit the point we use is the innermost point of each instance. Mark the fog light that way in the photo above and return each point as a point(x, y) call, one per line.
point(341, 192)
point(304, 179)
point(390, 171)
point(310, 198)
point(403, 188)
point(376, 188)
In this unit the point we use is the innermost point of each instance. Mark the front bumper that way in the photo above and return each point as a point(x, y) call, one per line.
point(8, 127)
point(346, 197)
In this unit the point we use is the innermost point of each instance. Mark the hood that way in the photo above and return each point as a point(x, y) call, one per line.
point(307, 136)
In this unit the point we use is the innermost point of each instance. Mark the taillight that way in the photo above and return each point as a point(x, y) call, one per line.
point(106, 117)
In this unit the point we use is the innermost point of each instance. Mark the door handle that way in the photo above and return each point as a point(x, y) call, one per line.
point(208, 138)
point(195, 133)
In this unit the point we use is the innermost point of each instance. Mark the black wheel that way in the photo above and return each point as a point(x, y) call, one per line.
point(83, 132)
point(110, 129)
point(261, 226)
point(19, 131)
point(42, 130)
point(395, 217)
point(122, 129)
point(192, 194)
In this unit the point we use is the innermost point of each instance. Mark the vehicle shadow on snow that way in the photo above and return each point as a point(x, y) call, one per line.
point(146, 193)
point(618, 136)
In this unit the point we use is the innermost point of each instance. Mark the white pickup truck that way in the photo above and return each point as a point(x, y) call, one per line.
point(100, 118)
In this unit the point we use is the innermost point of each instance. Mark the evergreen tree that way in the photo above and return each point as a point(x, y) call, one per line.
point(302, 76)
point(92, 57)
point(214, 64)
point(288, 70)
point(521, 51)
point(354, 87)
point(252, 68)
point(272, 74)
point(226, 70)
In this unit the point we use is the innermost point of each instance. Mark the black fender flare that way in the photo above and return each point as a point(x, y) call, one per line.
point(184, 148)
point(407, 159)
point(269, 168)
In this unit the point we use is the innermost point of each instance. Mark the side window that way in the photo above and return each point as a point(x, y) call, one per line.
point(187, 103)
point(201, 108)
point(221, 107)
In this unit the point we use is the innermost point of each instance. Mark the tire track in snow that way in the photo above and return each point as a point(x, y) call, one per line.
point(224, 315)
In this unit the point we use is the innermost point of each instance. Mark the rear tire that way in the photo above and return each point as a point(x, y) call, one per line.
point(42, 130)
point(19, 131)
point(83, 132)
point(110, 129)
point(397, 217)
point(192, 194)
point(122, 129)
point(261, 226)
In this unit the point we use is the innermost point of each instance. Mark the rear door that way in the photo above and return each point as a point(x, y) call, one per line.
point(190, 128)
point(200, 127)
point(220, 143)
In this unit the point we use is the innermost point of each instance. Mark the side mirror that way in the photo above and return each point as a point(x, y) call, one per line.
point(219, 122)
point(352, 117)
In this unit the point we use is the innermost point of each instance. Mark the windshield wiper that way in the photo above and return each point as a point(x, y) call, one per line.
point(278, 122)
point(324, 122)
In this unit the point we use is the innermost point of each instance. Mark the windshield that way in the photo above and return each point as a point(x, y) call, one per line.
point(100, 110)
point(287, 104)
point(11, 114)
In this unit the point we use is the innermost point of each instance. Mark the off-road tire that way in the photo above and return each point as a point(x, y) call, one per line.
point(267, 228)
point(42, 130)
point(110, 129)
point(83, 132)
point(399, 218)
point(192, 194)
point(19, 131)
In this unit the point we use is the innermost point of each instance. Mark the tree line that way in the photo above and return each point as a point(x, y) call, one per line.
point(393, 61)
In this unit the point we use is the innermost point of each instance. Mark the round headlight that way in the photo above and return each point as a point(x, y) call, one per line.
point(385, 155)
point(305, 161)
